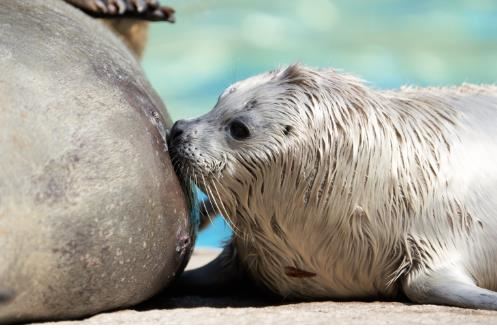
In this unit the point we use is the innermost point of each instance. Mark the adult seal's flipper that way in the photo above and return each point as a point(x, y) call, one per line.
point(449, 287)
point(149, 10)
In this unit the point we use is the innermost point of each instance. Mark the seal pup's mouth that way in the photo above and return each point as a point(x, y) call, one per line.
point(188, 154)
point(196, 170)
point(174, 145)
point(182, 170)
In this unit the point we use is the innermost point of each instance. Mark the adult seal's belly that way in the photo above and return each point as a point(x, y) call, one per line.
point(91, 213)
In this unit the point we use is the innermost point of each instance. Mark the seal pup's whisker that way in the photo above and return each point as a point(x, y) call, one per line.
point(222, 211)
point(203, 204)
point(210, 202)
point(212, 198)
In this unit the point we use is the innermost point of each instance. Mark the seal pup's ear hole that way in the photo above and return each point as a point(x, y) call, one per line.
point(287, 130)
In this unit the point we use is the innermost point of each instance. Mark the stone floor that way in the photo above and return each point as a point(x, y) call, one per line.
point(252, 310)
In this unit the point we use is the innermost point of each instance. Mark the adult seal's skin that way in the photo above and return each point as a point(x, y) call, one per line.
point(336, 190)
point(92, 216)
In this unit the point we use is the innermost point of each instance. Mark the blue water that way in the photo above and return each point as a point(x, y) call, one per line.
point(386, 42)
point(215, 235)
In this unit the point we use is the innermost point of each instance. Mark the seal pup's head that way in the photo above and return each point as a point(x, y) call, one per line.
point(265, 140)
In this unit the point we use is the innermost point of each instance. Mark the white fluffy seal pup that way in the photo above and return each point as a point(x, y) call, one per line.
point(339, 191)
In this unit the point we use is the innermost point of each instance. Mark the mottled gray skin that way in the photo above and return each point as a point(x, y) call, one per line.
point(92, 216)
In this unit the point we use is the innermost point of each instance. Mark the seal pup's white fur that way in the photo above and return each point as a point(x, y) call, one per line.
point(336, 190)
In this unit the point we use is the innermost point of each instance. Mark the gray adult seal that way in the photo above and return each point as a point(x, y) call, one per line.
point(92, 216)
point(336, 190)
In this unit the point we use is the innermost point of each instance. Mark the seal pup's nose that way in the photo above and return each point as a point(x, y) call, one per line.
point(177, 130)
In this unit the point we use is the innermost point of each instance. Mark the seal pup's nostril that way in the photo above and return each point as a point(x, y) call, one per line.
point(176, 130)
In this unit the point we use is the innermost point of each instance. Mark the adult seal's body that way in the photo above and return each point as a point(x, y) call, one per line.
point(335, 190)
point(92, 216)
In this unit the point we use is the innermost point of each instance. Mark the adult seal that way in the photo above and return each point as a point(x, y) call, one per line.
point(92, 216)
point(336, 190)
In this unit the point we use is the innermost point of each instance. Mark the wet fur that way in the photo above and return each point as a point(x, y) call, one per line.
point(344, 191)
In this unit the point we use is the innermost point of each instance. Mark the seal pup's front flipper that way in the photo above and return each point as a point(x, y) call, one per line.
point(222, 276)
point(217, 277)
point(149, 10)
point(451, 287)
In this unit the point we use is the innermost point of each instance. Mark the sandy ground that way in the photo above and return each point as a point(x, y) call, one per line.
point(255, 310)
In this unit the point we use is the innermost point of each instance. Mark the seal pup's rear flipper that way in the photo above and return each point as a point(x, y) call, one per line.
point(149, 10)
point(449, 287)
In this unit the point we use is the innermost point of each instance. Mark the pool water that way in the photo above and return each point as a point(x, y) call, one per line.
point(388, 43)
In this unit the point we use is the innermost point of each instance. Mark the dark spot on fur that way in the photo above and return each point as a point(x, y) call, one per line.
point(250, 105)
point(298, 273)
point(277, 228)
point(287, 130)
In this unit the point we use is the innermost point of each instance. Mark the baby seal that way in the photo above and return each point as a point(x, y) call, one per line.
point(339, 191)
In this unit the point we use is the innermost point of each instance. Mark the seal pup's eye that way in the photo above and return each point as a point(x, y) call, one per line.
point(238, 130)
